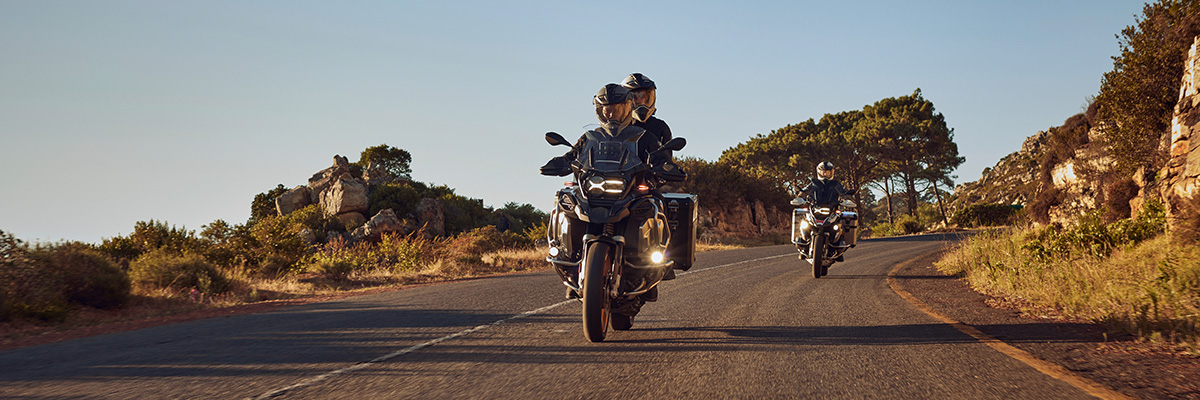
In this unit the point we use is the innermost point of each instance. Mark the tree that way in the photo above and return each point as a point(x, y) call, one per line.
point(263, 204)
point(1138, 96)
point(913, 140)
point(393, 160)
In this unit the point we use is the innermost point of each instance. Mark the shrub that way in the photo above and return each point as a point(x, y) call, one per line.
point(984, 214)
point(487, 239)
point(86, 277)
point(401, 197)
point(163, 269)
point(27, 288)
point(263, 205)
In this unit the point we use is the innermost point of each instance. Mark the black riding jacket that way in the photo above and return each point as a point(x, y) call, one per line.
point(657, 134)
point(824, 193)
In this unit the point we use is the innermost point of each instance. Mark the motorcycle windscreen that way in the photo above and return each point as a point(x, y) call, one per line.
point(610, 156)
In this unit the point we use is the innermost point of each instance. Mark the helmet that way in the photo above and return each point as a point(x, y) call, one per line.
point(613, 104)
point(643, 95)
point(825, 170)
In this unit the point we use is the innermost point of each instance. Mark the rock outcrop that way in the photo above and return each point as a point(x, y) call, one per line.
point(745, 220)
point(383, 222)
point(342, 194)
point(1012, 181)
point(1180, 178)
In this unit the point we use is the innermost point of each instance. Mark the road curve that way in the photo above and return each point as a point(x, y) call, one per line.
point(748, 323)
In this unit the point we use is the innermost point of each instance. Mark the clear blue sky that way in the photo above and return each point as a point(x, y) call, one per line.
point(113, 112)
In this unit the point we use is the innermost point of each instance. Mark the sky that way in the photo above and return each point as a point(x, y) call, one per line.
point(115, 112)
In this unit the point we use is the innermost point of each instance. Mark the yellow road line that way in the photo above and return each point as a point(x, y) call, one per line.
point(1053, 370)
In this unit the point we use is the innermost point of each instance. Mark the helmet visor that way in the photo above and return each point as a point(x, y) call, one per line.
point(618, 112)
point(826, 173)
point(643, 97)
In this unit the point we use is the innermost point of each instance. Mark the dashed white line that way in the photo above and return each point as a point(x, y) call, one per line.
point(319, 378)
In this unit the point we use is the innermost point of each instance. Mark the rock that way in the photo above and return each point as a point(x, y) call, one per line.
point(344, 196)
point(383, 222)
point(326, 177)
point(1180, 186)
point(352, 219)
point(293, 200)
point(431, 216)
point(308, 237)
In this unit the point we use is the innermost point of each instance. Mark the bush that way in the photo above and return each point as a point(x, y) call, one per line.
point(150, 235)
point(487, 239)
point(163, 269)
point(85, 276)
point(984, 214)
point(401, 197)
point(27, 288)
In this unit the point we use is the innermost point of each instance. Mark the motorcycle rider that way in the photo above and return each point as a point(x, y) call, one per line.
point(824, 191)
point(658, 133)
point(614, 109)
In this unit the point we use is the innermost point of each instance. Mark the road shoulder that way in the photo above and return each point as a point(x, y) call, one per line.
point(1086, 349)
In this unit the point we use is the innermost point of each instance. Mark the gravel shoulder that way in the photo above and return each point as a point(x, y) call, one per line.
point(1118, 361)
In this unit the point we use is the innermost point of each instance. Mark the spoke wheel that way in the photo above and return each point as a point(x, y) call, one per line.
point(596, 310)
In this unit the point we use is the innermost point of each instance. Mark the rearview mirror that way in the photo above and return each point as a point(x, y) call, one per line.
point(674, 144)
point(799, 201)
point(556, 140)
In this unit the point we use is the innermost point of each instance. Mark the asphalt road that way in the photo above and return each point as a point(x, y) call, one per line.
point(748, 323)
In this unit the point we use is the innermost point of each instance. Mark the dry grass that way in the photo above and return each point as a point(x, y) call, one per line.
point(1151, 289)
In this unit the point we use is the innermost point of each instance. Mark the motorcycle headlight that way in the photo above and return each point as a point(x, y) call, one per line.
point(599, 185)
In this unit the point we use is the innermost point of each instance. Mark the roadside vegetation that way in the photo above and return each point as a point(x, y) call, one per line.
point(1126, 274)
point(1135, 271)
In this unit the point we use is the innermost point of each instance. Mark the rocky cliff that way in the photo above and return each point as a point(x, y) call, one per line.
point(1065, 172)
point(1179, 180)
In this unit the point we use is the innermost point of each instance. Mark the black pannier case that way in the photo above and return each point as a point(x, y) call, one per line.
point(681, 214)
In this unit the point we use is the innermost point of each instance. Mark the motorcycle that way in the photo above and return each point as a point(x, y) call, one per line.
point(823, 234)
point(610, 237)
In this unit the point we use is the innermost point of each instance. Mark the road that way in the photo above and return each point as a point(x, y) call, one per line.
point(748, 323)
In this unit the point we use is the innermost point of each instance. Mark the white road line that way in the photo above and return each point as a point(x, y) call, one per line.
point(410, 349)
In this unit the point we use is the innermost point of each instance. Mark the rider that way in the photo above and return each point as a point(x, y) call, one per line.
point(825, 190)
point(614, 108)
point(658, 133)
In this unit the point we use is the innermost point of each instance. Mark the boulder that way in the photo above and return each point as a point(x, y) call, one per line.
point(293, 200)
point(352, 219)
point(328, 176)
point(431, 216)
point(344, 196)
point(383, 222)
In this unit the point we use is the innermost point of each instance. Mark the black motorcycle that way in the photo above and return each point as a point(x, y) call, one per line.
point(822, 234)
point(610, 233)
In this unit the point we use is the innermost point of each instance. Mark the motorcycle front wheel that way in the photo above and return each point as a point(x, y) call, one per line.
point(596, 312)
point(817, 252)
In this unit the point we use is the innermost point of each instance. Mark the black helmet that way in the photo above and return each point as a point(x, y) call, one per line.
point(822, 168)
point(637, 81)
point(613, 104)
point(643, 90)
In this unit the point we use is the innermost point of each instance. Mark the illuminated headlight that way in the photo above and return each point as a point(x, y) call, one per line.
point(804, 224)
point(553, 252)
point(598, 185)
point(824, 210)
point(656, 257)
point(835, 227)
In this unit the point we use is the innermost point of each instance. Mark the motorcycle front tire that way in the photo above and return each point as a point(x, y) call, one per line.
point(817, 252)
point(596, 311)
